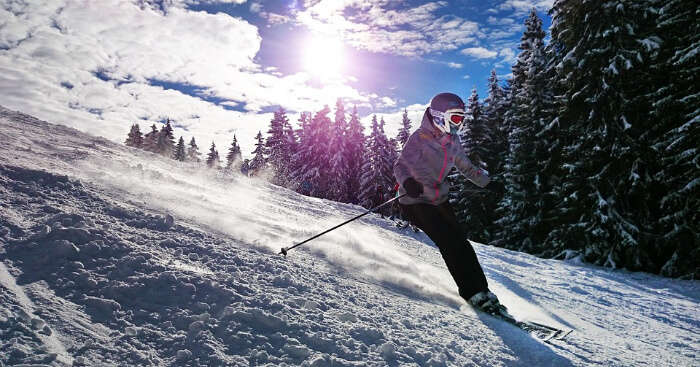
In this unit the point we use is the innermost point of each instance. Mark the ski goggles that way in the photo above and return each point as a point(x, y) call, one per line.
point(455, 117)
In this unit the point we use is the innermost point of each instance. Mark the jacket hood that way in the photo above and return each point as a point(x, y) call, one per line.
point(427, 124)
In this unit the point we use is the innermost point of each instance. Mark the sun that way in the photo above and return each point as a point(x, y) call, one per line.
point(324, 57)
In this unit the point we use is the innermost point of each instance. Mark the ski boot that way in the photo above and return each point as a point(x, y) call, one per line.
point(487, 302)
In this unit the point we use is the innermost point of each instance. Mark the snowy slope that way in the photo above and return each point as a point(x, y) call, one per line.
point(108, 262)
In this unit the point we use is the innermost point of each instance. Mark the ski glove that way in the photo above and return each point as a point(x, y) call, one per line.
point(413, 187)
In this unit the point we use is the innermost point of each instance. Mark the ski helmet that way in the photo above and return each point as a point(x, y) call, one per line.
point(447, 113)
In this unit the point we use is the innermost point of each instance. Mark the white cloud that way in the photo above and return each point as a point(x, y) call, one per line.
point(454, 65)
point(500, 21)
point(55, 55)
point(466, 76)
point(256, 7)
point(273, 18)
point(508, 55)
point(371, 26)
point(521, 7)
point(479, 53)
point(387, 102)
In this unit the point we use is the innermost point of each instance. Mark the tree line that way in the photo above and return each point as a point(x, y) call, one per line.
point(329, 158)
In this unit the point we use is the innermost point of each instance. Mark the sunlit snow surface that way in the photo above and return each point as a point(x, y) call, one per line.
point(212, 290)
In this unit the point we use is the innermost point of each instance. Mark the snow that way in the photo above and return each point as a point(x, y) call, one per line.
point(651, 43)
point(112, 256)
point(625, 125)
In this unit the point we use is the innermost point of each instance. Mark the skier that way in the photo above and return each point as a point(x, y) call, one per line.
point(426, 159)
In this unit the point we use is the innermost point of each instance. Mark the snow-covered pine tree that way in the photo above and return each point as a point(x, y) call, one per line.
point(605, 203)
point(213, 160)
point(355, 141)
point(301, 155)
point(676, 113)
point(166, 140)
point(405, 131)
point(372, 181)
point(477, 134)
point(313, 155)
point(258, 164)
point(474, 207)
point(234, 156)
point(388, 154)
point(278, 151)
point(338, 146)
point(135, 138)
point(150, 140)
point(193, 151)
point(494, 109)
point(180, 154)
point(528, 115)
point(291, 146)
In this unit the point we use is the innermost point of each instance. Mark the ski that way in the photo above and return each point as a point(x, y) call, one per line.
point(543, 332)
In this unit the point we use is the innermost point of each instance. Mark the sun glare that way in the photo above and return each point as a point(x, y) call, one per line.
point(324, 57)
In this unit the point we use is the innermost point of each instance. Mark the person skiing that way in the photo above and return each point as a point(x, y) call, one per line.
point(421, 169)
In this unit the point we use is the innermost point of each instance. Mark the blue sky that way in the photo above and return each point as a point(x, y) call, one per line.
point(411, 76)
point(220, 67)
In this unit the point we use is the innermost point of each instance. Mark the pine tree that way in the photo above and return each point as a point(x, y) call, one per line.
point(166, 140)
point(291, 147)
point(355, 142)
point(257, 164)
point(278, 149)
point(494, 110)
point(180, 154)
point(527, 168)
point(338, 150)
point(313, 157)
point(234, 154)
point(134, 139)
point(477, 134)
point(405, 131)
point(302, 154)
point(604, 203)
point(387, 154)
point(372, 181)
point(213, 160)
point(675, 97)
point(150, 140)
point(193, 151)
point(474, 207)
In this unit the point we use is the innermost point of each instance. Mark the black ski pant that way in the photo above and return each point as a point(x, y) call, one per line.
point(440, 224)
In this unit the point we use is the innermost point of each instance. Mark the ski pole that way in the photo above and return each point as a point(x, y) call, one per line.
point(285, 249)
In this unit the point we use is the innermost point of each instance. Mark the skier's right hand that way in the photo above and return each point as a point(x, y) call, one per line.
point(413, 187)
